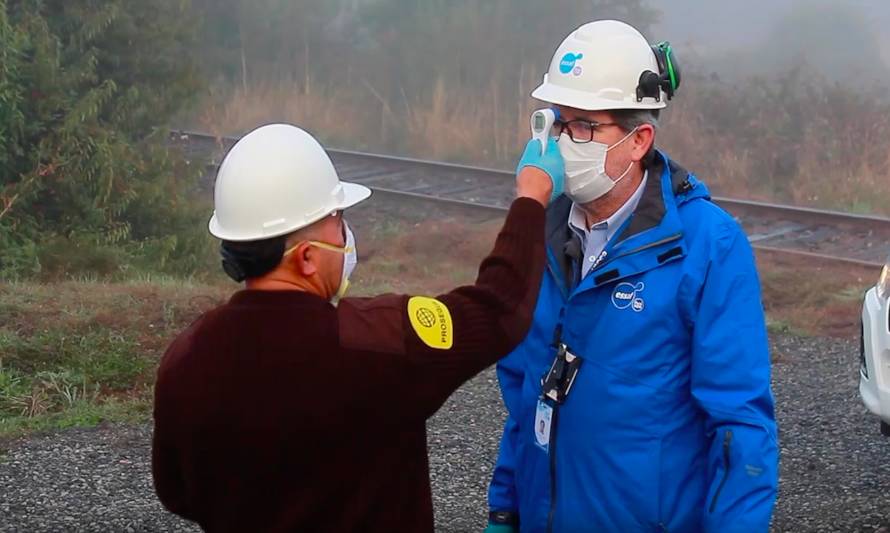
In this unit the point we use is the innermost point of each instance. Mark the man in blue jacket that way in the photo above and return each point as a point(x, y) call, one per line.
point(640, 399)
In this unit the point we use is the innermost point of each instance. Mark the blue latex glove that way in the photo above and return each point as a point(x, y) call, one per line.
point(550, 162)
point(503, 528)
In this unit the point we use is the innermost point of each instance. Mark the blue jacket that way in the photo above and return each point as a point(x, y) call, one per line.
point(669, 424)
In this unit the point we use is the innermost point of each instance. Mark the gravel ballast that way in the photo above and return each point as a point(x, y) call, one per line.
point(835, 465)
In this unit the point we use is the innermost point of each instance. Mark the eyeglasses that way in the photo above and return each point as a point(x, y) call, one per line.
point(580, 131)
point(324, 245)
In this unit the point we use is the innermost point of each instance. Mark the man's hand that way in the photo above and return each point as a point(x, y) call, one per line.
point(502, 522)
point(540, 176)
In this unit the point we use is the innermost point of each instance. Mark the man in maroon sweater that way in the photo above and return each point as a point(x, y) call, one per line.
point(278, 411)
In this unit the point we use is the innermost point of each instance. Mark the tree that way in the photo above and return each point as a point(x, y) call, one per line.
point(88, 87)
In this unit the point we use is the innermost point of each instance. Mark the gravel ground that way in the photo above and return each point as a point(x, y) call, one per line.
point(835, 464)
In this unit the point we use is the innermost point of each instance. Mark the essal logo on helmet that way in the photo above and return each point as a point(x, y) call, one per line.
point(567, 63)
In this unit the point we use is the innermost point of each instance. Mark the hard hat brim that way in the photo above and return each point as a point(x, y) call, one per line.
point(554, 94)
point(353, 194)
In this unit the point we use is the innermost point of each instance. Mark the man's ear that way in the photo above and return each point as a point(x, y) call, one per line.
point(643, 139)
point(303, 259)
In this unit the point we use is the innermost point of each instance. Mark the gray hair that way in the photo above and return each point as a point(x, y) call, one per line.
point(629, 119)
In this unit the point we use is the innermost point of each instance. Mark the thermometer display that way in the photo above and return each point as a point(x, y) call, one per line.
point(541, 122)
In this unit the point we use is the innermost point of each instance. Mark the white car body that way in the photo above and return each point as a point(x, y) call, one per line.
point(874, 372)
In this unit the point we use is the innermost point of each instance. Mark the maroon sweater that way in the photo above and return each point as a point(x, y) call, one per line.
point(280, 412)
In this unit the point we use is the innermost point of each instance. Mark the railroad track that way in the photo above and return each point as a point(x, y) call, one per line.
point(816, 234)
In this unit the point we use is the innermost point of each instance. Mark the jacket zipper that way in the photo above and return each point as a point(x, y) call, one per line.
point(552, 450)
point(727, 440)
point(559, 280)
point(637, 250)
point(554, 421)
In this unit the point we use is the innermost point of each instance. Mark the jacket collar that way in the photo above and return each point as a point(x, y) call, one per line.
point(655, 220)
point(654, 203)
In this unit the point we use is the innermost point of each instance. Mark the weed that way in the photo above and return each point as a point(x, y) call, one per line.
point(77, 353)
point(79, 414)
point(781, 327)
point(72, 353)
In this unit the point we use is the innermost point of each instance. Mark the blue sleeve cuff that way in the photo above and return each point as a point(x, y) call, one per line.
point(500, 528)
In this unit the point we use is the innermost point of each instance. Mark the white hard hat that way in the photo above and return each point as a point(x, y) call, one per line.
point(274, 181)
point(603, 65)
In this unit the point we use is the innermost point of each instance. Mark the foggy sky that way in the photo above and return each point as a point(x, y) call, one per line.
point(712, 27)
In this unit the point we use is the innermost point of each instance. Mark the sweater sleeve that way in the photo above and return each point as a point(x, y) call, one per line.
point(166, 461)
point(166, 466)
point(168, 480)
point(424, 348)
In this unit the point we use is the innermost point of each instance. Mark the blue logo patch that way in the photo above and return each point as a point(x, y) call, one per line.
point(625, 296)
point(567, 63)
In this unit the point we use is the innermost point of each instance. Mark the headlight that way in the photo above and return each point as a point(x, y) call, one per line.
point(884, 280)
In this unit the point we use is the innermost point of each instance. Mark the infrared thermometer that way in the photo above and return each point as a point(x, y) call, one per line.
point(542, 122)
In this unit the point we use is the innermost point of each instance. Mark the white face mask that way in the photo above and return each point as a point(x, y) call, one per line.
point(586, 178)
point(350, 260)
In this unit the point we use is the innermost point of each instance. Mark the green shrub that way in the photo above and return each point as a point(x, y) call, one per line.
point(87, 183)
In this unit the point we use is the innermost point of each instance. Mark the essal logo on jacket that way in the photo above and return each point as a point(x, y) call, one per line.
point(625, 295)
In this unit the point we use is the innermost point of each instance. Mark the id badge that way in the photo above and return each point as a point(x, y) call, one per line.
point(558, 382)
point(543, 417)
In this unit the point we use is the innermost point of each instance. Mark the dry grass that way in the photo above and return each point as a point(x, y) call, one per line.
point(77, 353)
point(448, 125)
point(769, 150)
point(330, 110)
point(80, 352)
point(813, 300)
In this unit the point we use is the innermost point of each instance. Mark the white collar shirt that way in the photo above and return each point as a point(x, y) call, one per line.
point(595, 239)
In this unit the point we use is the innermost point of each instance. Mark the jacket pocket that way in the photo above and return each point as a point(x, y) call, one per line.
point(727, 445)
